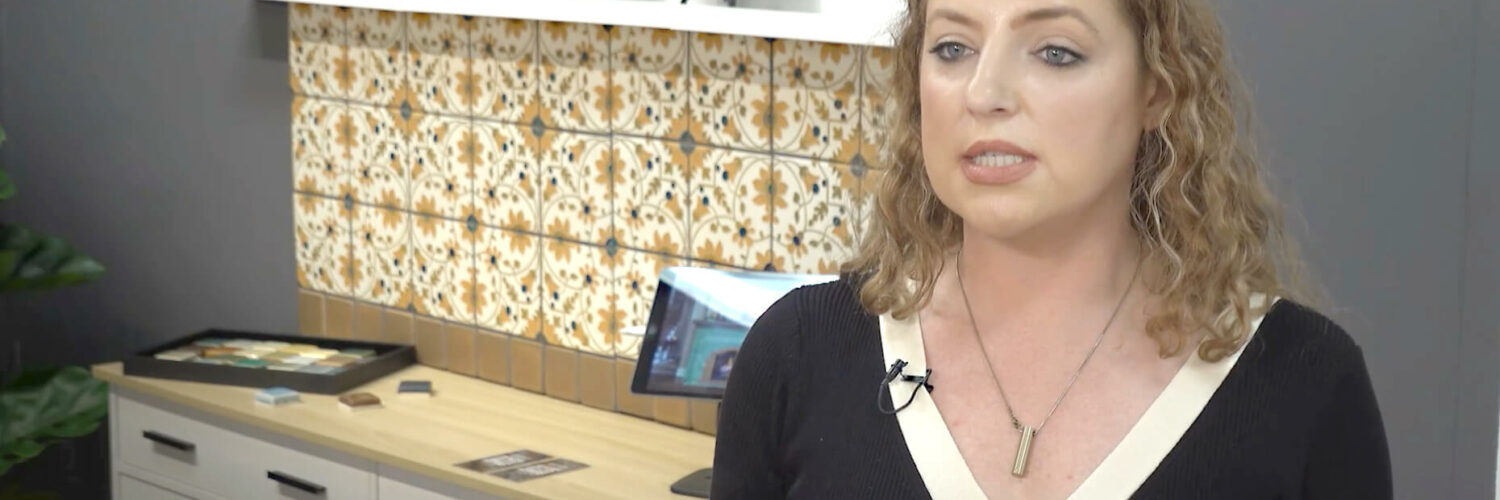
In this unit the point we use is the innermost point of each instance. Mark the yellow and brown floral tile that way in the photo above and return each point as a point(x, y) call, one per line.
point(816, 225)
point(378, 163)
point(576, 305)
point(651, 196)
point(443, 158)
point(649, 81)
point(322, 240)
point(508, 295)
point(575, 172)
point(877, 71)
point(321, 135)
point(817, 99)
point(506, 70)
point(443, 275)
point(731, 91)
point(438, 69)
point(732, 202)
point(382, 256)
point(506, 185)
point(319, 66)
point(377, 59)
point(634, 289)
point(574, 76)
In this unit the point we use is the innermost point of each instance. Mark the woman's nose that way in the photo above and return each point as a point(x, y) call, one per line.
point(991, 88)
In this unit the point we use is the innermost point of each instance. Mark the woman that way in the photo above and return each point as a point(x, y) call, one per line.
point(1074, 247)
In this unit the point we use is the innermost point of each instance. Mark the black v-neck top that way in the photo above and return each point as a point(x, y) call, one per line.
point(1295, 417)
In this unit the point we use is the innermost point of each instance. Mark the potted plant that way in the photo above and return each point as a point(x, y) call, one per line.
point(39, 407)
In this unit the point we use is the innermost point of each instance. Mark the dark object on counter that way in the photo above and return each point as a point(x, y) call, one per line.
point(387, 359)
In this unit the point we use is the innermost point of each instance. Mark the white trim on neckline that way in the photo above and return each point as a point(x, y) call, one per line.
point(1122, 472)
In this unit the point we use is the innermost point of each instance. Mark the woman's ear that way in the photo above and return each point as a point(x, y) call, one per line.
point(1156, 98)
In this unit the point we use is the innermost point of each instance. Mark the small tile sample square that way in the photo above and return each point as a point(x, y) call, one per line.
point(274, 344)
point(301, 347)
point(276, 396)
point(175, 355)
point(414, 388)
point(210, 342)
point(359, 401)
point(219, 351)
point(284, 367)
point(358, 353)
point(320, 370)
point(494, 463)
point(540, 469)
point(251, 363)
point(300, 360)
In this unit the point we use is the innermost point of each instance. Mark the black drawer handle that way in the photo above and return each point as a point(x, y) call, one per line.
point(169, 441)
point(296, 482)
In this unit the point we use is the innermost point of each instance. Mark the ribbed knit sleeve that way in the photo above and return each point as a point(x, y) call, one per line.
point(1347, 456)
point(748, 454)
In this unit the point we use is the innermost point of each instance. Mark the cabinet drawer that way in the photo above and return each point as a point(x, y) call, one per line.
point(189, 451)
point(271, 470)
point(135, 489)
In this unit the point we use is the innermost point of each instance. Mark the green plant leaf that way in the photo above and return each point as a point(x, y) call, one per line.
point(7, 188)
point(29, 261)
point(40, 407)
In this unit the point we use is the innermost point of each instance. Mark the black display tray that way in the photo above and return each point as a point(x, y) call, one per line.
point(388, 358)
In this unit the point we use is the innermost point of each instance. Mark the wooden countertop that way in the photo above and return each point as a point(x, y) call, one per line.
point(467, 419)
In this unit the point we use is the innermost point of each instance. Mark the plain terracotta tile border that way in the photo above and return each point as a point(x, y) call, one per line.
point(671, 410)
point(526, 364)
point(340, 318)
point(628, 402)
point(561, 365)
point(492, 354)
point(368, 322)
point(431, 348)
point(309, 313)
point(460, 352)
point(705, 413)
point(596, 381)
point(398, 328)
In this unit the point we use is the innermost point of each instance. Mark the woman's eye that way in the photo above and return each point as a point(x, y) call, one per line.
point(1058, 56)
point(950, 51)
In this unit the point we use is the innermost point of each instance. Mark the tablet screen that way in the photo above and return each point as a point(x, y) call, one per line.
point(698, 320)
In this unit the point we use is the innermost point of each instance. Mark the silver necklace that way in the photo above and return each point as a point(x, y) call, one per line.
point(1028, 433)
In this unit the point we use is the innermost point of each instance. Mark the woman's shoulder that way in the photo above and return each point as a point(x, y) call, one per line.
point(811, 311)
point(1296, 336)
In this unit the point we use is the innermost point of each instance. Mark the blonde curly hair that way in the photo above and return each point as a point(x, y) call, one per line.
point(1204, 217)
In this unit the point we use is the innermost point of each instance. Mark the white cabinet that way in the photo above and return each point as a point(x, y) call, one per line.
point(161, 450)
point(130, 488)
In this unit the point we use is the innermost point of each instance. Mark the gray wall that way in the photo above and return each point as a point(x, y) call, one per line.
point(1366, 118)
point(155, 135)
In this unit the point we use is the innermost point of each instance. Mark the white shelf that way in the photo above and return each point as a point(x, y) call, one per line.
point(859, 22)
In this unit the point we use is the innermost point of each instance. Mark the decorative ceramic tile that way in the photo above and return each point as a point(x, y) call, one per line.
point(575, 76)
point(321, 135)
point(575, 186)
point(443, 268)
point(443, 160)
point(636, 276)
point(507, 296)
point(869, 185)
point(732, 205)
point(731, 85)
point(382, 256)
point(817, 99)
point(878, 69)
point(650, 81)
point(506, 69)
point(576, 306)
point(316, 50)
point(322, 239)
point(651, 195)
point(378, 163)
point(815, 227)
point(438, 64)
point(377, 57)
point(506, 177)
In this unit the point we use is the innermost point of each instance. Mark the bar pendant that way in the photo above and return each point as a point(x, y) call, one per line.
point(1023, 452)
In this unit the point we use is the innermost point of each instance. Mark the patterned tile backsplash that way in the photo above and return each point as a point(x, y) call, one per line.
point(531, 179)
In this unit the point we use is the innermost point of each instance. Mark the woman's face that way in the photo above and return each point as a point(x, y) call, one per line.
point(1031, 110)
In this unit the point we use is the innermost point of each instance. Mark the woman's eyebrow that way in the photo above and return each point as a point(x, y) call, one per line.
point(1037, 15)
